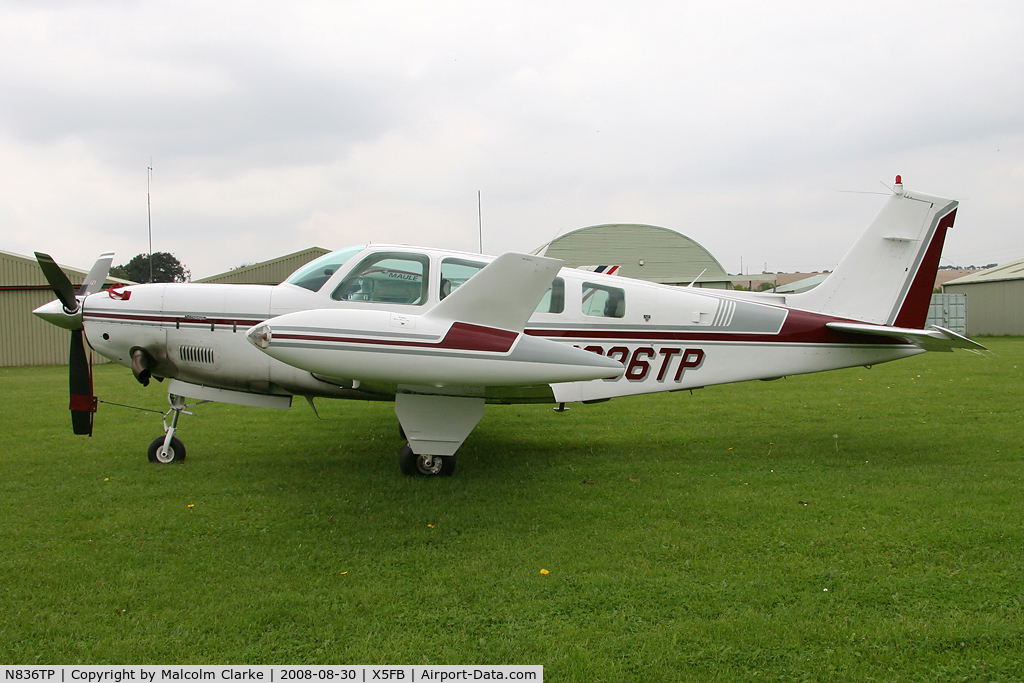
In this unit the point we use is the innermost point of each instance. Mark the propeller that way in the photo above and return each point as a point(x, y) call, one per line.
point(83, 401)
point(59, 282)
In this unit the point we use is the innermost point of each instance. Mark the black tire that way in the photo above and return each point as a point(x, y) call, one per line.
point(415, 465)
point(176, 452)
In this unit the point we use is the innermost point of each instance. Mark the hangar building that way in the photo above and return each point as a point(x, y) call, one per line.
point(24, 338)
point(272, 272)
point(644, 252)
point(995, 299)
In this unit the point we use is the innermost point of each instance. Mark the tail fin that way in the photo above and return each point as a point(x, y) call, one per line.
point(888, 276)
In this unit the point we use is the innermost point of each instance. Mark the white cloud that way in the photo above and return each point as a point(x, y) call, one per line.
point(275, 127)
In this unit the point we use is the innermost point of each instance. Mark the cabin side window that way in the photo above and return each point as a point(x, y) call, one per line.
point(387, 277)
point(455, 272)
point(603, 301)
point(553, 300)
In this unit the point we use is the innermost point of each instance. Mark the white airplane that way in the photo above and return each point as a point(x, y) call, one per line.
point(444, 333)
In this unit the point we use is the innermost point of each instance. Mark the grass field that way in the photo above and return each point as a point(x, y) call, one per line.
point(865, 524)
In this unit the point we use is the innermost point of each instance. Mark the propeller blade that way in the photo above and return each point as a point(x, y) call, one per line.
point(59, 282)
point(83, 402)
point(97, 275)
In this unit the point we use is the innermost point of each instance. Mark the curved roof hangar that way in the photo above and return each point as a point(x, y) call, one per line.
point(644, 252)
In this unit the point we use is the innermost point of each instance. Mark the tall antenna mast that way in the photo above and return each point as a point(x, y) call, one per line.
point(480, 219)
point(149, 215)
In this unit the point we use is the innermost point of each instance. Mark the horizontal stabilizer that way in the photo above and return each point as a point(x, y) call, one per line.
point(504, 294)
point(935, 339)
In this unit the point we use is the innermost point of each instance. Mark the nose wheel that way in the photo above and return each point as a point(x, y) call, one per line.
point(166, 453)
point(415, 465)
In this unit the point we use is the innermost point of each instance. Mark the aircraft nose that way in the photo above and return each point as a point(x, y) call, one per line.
point(260, 336)
point(55, 314)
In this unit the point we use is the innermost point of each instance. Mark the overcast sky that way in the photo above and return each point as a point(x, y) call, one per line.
point(758, 129)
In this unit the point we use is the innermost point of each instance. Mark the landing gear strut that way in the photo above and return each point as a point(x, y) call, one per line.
point(169, 448)
point(415, 465)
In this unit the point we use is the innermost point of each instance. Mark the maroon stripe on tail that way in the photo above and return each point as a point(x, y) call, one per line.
point(914, 311)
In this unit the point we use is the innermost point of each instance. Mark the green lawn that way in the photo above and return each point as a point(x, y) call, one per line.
point(865, 524)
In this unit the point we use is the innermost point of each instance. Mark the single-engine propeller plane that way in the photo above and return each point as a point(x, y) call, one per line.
point(444, 333)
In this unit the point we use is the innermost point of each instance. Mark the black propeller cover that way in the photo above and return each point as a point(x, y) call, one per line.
point(83, 402)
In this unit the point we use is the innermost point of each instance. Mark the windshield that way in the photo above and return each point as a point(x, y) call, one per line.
point(314, 274)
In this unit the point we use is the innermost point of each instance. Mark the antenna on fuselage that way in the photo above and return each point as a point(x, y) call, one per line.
point(149, 215)
point(480, 219)
point(696, 278)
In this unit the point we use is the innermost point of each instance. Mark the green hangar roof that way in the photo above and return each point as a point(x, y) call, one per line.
point(644, 252)
point(272, 272)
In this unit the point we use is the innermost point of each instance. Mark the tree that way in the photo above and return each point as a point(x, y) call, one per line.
point(166, 268)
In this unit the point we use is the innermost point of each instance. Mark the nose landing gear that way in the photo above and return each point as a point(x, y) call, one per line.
point(169, 448)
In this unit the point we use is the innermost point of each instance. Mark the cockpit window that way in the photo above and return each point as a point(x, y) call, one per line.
point(553, 300)
point(315, 274)
point(454, 272)
point(386, 277)
point(603, 301)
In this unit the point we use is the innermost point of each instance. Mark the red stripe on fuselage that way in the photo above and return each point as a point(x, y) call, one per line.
point(800, 327)
point(172, 319)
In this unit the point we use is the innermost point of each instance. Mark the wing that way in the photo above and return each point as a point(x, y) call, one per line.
point(504, 294)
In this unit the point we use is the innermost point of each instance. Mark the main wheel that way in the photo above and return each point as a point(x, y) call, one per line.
point(175, 451)
point(425, 465)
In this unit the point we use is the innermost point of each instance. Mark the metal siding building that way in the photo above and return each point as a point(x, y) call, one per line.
point(995, 299)
point(804, 285)
point(272, 272)
point(644, 252)
point(949, 311)
point(24, 338)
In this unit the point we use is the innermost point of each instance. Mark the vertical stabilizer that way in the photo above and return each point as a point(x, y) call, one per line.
point(888, 276)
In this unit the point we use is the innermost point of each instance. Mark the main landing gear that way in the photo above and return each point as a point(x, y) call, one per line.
point(169, 448)
point(415, 465)
point(435, 426)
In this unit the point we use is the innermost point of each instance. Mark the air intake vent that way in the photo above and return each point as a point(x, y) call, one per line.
point(195, 354)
